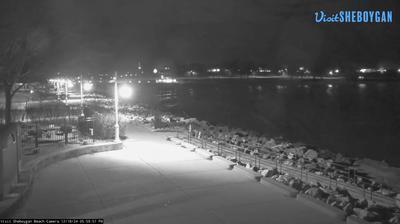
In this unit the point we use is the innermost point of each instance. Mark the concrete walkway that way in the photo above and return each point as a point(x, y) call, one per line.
point(154, 181)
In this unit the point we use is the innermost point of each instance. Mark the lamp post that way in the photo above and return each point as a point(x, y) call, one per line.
point(58, 89)
point(82, 114)
point(66, 92)
point(116, 108)
point(85, 86)
point(126, 92)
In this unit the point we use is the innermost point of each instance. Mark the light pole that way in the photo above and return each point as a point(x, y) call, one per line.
point(58, 89)
point(81, 81)
point(116, 108)
point(126, 92)
point(82, 114)
point(66, 92)
point(87, 86)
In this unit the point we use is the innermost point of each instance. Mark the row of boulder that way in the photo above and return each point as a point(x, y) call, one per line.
point(340, 198)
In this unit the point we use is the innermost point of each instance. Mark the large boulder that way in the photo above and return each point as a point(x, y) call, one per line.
point(360, 213)
point(270, 143)
point(341, 159)
point(395, 219)
point(362, 203)
point(326, 154)
point(282, 179)
point(348, 208)
point(296, 184)
point(269, 172)
point(298, 151)
point(315, 192)
point(398, 200)
point(310, 154)
point(379, 213)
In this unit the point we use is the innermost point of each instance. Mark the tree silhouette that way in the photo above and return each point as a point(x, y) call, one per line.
point(21, 42)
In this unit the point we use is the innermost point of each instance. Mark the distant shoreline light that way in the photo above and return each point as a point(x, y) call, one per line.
point(354, 17)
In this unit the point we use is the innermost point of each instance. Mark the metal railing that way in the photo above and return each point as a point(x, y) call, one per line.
point(35, 134)
point(223, 148)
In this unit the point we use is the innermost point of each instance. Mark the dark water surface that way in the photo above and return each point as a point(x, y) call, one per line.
point(353, 118)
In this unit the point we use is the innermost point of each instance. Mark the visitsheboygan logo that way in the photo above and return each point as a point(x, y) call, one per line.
point(354, 17)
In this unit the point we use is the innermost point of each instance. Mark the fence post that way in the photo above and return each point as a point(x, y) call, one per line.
point(301, 173)
point(36, 135)
point(306, 175)
point(363, 190)
point(348, 174)
point(66, 137)
point(371, 194)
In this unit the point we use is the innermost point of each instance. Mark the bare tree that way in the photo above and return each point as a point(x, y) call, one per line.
point(21, 43)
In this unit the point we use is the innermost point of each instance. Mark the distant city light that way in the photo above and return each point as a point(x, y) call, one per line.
point(367, 70)
point(214, 70)
point(264, 69)
point(337, 71)
point(125, 91)
point(381, 70)
point(330, 85)
point(166, 80)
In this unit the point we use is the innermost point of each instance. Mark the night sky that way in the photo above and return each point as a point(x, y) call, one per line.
point(104, 35)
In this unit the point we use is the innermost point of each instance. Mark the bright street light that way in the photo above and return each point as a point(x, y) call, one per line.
point(125, 91)
point(70, 83)
point(87, 86)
